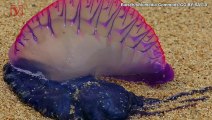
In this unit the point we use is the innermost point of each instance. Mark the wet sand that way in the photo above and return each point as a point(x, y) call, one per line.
point(184, 34)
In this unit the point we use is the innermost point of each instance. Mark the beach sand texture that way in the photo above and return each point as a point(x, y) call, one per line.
point(185, 36)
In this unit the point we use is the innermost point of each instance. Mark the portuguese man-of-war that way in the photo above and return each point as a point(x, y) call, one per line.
point(61, 52)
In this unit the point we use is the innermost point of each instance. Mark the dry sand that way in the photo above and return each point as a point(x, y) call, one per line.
point(185, 36)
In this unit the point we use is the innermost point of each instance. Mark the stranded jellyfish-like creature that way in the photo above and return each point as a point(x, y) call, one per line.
point(61, 51)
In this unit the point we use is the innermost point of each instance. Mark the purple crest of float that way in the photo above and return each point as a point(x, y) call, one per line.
point(74, 38)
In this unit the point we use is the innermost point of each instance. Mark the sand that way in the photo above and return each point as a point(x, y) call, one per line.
point(185, 36)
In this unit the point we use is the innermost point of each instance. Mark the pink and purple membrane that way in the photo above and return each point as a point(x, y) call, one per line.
point(69, 39)
point(62, 50)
